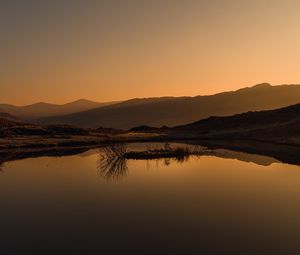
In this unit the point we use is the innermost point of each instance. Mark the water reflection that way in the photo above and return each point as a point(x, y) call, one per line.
point(113, 159)
point(111, 163)
point(58, 204)
point(2, 163)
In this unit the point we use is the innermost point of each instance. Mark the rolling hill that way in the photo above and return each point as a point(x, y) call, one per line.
point(39, 110)
point(280, 125)
point(173, 111)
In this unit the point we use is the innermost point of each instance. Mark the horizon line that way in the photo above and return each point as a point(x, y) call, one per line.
point(150, 97)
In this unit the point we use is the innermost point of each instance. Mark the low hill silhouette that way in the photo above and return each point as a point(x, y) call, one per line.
point(12, 129)
point(173, 111)
point(8, 116)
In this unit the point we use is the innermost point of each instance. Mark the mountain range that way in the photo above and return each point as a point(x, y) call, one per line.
point(39, 110)
point(173, 111)
point(279, 126)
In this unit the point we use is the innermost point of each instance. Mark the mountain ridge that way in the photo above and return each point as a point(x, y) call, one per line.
point(43, 109)
point(174, 111)
point(279, 125)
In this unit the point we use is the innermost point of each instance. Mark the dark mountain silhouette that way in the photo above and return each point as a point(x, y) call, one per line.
point(172, 111)
point(45, 109)
point(281, 125)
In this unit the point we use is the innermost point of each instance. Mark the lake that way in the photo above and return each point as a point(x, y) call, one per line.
point(222, 203)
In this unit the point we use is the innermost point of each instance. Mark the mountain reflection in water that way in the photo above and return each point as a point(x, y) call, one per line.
point(113, 164)
point(217, 202)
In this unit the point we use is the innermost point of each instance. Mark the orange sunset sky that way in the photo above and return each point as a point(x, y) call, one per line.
point(58, 50)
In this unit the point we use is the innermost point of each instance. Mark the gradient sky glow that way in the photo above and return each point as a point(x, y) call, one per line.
point(60, 50)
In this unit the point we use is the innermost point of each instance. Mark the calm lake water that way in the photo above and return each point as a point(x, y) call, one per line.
point(228, 203)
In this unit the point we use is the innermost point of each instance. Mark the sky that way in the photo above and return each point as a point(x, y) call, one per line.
point(62, 50)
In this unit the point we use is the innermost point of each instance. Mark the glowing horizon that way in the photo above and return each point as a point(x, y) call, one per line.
point(125, 99)
point(61, 51)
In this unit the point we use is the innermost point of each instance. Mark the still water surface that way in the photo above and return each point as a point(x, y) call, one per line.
point(233, 203)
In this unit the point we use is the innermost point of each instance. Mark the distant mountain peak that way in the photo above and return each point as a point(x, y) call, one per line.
point(262, 85)
point(82, 100)
point(256, 87)
point(38, 103)
point(43, 109)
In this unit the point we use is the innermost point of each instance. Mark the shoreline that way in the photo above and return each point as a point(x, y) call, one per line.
point(24, 147)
